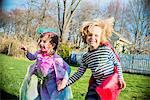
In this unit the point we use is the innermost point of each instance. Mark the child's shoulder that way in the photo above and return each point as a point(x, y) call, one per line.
point(38, 52)
point(104, 47)
point(57, 58)
point(84, 55)
point(107, 48)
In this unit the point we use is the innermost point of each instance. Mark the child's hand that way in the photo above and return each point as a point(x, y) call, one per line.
point(59, 87)
point(122, 84)
point(62, 84)
point(23, 47)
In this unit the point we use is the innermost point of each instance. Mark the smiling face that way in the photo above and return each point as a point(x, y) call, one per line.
point(93, 37)
point(97, 32)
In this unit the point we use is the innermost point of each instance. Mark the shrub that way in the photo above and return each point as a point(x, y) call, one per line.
point(64, 50)
point(10, 45)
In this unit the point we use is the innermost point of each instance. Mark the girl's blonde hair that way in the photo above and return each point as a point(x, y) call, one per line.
point(106, 25)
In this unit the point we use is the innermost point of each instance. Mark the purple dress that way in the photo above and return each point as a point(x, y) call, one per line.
point(50, 71)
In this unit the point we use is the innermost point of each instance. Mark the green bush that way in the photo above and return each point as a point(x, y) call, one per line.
point(64, 50)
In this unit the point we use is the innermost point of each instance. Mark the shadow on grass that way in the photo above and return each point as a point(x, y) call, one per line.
point(6, 96)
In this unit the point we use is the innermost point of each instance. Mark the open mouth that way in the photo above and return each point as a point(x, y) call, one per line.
point(92, 42)
point(42, 48)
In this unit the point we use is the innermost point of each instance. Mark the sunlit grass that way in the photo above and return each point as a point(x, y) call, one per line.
point(12, 72)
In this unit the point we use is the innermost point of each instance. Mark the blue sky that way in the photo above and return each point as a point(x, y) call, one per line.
point(11, 4)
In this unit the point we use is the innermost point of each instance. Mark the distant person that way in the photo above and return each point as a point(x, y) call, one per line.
point(50, 69)
point(102, 60)
point(73, 57)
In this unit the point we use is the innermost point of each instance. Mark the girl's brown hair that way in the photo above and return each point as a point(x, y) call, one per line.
point(51, 37)
point(106, 25)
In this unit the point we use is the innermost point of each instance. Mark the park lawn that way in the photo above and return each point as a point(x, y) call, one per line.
point(13, 70)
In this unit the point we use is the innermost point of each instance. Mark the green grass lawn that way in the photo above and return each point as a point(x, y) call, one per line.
point(12, 71)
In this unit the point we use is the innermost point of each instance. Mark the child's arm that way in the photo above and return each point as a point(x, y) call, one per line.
point(67, 68)
point(62, 84)
point(66, 82)
point(29, 55)
point(77, 75)
point(116, 62)
point(122, 83)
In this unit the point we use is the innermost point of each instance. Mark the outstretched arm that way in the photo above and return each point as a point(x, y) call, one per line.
point(29, 55)
point(65, 82)
point(76, 75)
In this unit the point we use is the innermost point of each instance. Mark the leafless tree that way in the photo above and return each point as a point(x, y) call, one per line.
point(138, 22)
point(65, 14)
point(38, 15)
point(85, 12)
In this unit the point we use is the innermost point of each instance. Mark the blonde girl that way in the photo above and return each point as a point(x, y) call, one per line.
point(100, 58)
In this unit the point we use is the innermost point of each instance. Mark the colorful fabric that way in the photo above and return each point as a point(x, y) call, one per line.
point(45, 64)
point(55, 69)
point(42, 30)
point(31, 95)
point(109, 88)
point(48, 90)
point(27, 85)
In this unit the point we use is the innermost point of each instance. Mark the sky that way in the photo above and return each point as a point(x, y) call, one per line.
point(12, 4)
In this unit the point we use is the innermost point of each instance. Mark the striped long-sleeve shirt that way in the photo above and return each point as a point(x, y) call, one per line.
point(101, 62)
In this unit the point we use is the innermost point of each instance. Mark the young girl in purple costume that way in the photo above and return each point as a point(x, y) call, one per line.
point(50, 70)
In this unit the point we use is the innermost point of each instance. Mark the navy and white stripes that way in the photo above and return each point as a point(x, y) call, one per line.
point(101, 62)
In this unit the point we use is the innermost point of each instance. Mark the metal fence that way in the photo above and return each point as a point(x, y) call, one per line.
point(130, 63)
